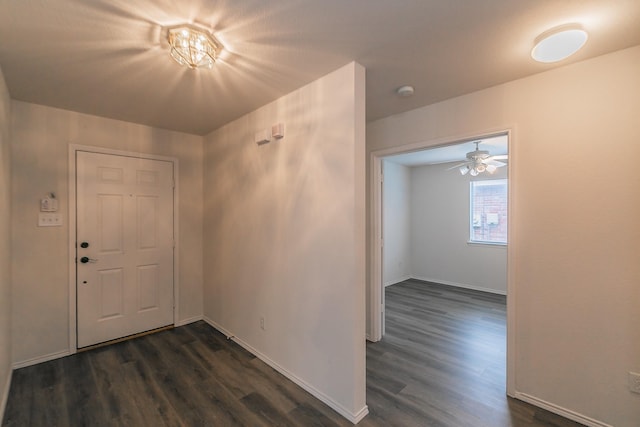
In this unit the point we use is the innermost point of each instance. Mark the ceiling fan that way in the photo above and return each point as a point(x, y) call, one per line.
point(479, 161)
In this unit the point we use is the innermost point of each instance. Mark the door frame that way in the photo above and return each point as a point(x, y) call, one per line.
point(73, 149)
point(376, 301)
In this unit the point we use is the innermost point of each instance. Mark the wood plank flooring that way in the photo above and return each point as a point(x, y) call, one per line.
point(440, 364)
point(188, 376)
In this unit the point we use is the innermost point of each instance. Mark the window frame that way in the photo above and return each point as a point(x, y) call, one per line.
point(486, 182)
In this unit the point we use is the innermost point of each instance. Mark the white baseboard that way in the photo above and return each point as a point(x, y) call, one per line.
point(359, 416)
point(394, 281)
point(559, 410)
point(224, 332)
point(41, 359)
point(460, 285)
point(353, 417)
point(188, 321)
point(5, 395)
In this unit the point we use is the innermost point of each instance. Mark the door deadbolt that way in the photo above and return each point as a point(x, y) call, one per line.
point(84, 245)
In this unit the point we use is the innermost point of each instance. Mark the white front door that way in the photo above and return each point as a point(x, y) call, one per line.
point(124, 254)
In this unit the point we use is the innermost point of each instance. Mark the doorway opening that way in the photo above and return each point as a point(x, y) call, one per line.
point(448, 256)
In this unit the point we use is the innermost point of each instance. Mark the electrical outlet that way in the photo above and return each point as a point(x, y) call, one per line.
point(262, 323)
point(634, 382)
point(49, 219)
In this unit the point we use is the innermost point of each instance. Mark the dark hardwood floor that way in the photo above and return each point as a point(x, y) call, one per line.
point(187, 376)
point(441, 363)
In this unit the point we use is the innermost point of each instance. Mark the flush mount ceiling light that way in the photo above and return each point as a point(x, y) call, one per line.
point(192, 46)
point(559, 43)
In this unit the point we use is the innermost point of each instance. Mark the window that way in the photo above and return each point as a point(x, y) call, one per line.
point(488, 212)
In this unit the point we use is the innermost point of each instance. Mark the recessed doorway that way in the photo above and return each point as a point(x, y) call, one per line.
point(122, 243)
point(497, 144)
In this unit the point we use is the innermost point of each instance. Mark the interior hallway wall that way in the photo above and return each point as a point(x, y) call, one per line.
point(5, 243)
point(396, 223)
point(284, 236)
point(40, 255)
point(576, 234)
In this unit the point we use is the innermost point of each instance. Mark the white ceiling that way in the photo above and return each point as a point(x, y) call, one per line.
point(495, 145)
point(109, 57)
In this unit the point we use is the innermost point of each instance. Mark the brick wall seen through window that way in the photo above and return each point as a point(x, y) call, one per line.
point(488, 213)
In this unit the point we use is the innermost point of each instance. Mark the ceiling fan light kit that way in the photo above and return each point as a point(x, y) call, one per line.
point(559, 43)
point(192, 46)
point(479, 161)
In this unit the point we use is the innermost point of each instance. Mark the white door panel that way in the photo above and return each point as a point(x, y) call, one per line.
point(125, 215)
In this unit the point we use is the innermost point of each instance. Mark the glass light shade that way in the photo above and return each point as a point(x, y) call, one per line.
point(480, 167)
point(464, 170)
point(192, 47)
point(555, 46)
point(491, 168)
point(473, 172)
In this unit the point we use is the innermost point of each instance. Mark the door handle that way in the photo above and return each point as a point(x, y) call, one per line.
point(86, 259)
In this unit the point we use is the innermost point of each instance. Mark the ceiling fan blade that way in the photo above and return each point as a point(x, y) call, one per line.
point(494, 163)
point(457, 166)
point(500, 157)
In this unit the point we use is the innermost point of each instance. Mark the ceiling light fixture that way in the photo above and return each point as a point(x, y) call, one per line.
point(479, 161)
point(559, 43)
point(192, 46)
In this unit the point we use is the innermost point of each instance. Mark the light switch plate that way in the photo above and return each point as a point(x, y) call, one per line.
point(49, 220)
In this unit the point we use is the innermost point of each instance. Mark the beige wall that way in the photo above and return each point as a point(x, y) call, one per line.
point(575, 229)
point(40, 153)
point(440, 232)
point(425, 226)
point(5, 243)
point(284, 236)
point(396, 223)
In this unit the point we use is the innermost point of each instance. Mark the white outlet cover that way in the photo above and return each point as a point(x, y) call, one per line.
point(49, 220)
